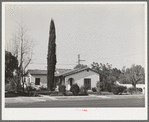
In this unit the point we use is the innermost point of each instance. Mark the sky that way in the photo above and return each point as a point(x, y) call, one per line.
point(103, 33)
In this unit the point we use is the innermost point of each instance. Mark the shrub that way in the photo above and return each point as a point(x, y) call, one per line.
point(98, 85)
point(62, 89)
point(84, 89)
point(133, 90)
point(43, 87)
point(109, 88)
point(118, 89)
point(94, 89)
point(115, 90)
point(82, 93)
point(139, 89)
point(74, 89)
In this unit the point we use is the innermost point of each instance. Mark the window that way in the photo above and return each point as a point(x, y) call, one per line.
point(37, 81)
point(87, 81)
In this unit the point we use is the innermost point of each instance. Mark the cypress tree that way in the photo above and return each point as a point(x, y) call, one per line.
point(51, 58)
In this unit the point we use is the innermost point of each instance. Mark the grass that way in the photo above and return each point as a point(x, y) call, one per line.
point(13, 94)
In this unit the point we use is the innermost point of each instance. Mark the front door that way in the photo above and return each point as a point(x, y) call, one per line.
point(87, 81)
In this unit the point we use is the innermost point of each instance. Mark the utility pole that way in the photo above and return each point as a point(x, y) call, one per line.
point(79, 59)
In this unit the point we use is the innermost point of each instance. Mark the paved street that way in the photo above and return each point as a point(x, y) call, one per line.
point(99, 101)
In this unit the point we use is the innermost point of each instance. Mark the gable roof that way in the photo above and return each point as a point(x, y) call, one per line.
point(44, 72)
point(60, 72)
point(74, 71)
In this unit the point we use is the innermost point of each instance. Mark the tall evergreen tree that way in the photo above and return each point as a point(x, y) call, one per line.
point(51, 58)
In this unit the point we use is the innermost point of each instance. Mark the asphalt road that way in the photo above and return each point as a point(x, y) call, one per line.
point(135, 102)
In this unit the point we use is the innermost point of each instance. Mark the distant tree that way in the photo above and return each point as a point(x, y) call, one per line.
point(11, 64)
point(134, 74)
point(51, 58)
point(103, 69)
point(123, 69)
point(122, 79)
point(111, 79)
point(80, 66)
point(115, 72)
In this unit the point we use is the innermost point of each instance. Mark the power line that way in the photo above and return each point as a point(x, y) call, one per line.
point(56, 64)
point(99, 59)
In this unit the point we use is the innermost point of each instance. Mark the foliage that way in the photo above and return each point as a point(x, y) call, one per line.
point(80, 66)
point(109, 88)
point(118, 89)
point(43, 87)
point(51, 59)
point(31, 89)
point(84, 89)
point(98, 84)
point(122, 79)
point(11, 64)
point(133, 90)
point(74, 89)
point(98, 87)
point(94, 89)
point(115, 72)
point(107, 74)
point(111, 79)
point(62, 89)
point(103, 69)
point(134, 74)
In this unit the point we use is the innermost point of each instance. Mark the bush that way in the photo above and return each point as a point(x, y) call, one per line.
point(98, 85)
point(109, 88)
point(74, 89)
point(118, 89)
point(82, 93)
point(43, 87)
point(62, 89)
point(133, 90)
point(83, 89)
point(94, 89)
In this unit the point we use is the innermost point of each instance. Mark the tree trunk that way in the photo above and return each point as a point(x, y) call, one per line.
point(23, 83)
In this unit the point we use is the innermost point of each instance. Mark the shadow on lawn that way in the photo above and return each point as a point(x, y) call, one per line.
point(13, 94)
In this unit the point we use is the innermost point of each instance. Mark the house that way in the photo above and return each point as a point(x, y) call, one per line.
point(84, 76)
point(39, 77)
point(67, 77)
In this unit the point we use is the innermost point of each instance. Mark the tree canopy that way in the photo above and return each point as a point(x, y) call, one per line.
point(80, 66)
point(51, 58)
point(11, 64)
point(134, 74)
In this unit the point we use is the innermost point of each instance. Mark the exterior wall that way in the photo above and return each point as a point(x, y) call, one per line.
point(79, 78)
point(43, 78)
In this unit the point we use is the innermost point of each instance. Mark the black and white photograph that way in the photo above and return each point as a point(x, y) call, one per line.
point(74, 61)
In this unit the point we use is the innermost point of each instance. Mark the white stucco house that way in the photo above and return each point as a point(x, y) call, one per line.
point(80, 76)
point(66, 77)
